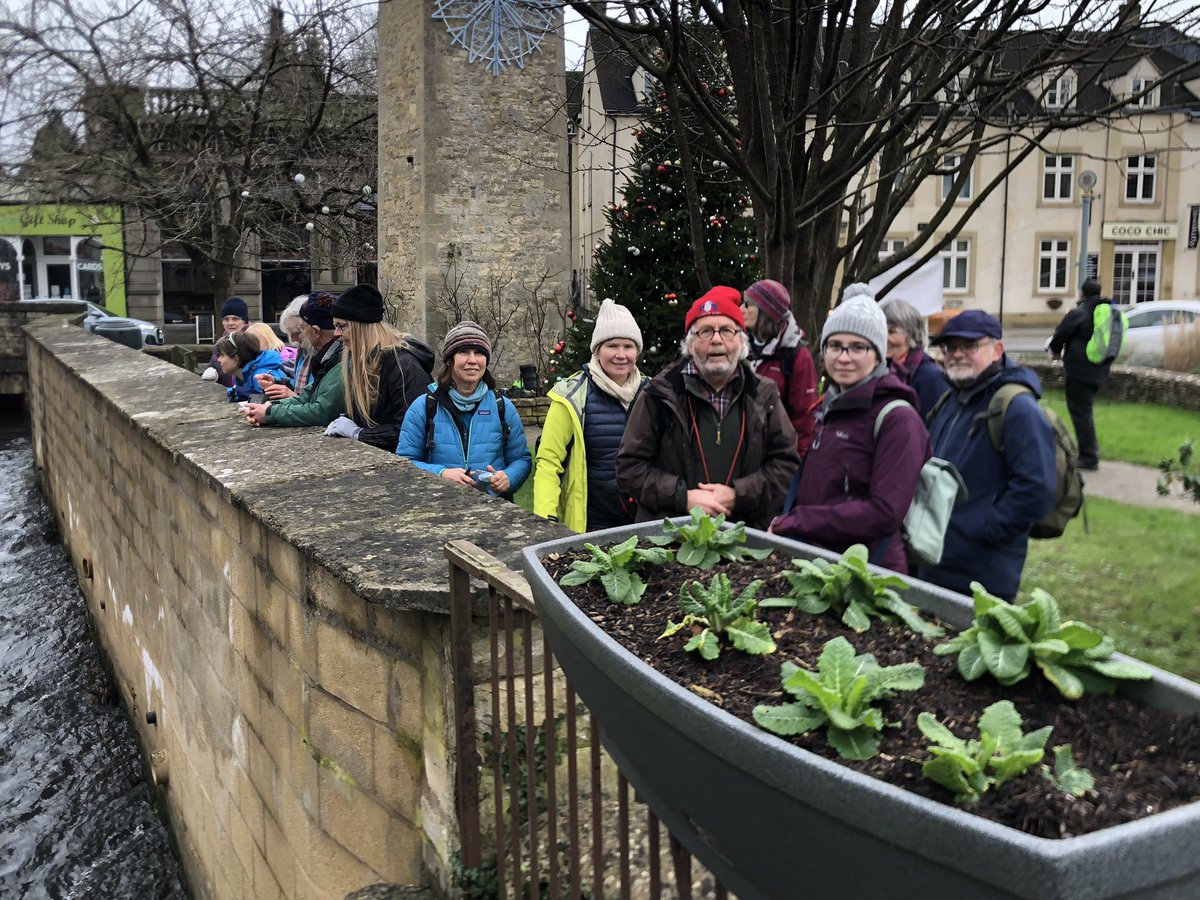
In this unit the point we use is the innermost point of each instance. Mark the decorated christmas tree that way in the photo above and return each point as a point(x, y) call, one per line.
point(646, 262)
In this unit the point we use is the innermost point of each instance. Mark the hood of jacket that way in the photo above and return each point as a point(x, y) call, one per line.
point(421, 352)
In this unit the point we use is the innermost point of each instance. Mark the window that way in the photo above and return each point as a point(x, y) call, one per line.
point(890, 246)
point(1054, 264)
point(1139, 178)
point(1138, 85)
point(952, 163)
point(1058, 94)
point(1058, 178)
point(956, 266)
point(1135, 273)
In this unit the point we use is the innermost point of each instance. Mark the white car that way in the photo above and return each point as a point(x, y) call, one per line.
point(1148, 321)
point(151, 333)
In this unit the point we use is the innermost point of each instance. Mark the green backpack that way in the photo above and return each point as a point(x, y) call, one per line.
point(1108, 334)
point(1068, 484)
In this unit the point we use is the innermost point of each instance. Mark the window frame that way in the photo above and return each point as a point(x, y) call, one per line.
point(1136, 168)
point(947, 180)
point(959, 250)
point(1058, 255)
point(1061, 175)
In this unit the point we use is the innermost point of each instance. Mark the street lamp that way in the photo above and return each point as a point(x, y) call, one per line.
point(1087, 181)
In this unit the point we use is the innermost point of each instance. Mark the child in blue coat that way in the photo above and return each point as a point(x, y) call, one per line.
point(240, 356)
point(475, 437)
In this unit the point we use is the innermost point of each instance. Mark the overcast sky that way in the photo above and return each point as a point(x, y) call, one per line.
point(576, 33)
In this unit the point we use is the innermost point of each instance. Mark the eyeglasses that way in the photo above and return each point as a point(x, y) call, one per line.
point(967, 348)
point(341, 326)
point(727, 332)
point(856, 350)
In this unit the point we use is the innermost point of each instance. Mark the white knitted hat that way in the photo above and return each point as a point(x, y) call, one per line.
point(858, 313)
point(615, 321)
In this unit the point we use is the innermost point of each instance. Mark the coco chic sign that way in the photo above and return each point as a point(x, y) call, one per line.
point(1140, 231)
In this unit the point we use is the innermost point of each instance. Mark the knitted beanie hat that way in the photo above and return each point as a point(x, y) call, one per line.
point(771, 297)
point(361, 303)
point(465, 336)
point(858, 313)
point(1091, 288)
point(235, 306)
point(615, 321)
point(316, 310)
point(720, 301)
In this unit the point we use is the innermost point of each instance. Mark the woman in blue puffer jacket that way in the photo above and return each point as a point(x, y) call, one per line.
point(240, 356)
point(475, 437)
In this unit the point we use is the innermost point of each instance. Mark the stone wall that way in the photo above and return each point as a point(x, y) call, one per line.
point(278, 600)
point(13, 318)
point(1134, 384)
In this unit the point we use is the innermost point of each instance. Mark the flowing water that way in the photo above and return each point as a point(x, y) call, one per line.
point(77, 818)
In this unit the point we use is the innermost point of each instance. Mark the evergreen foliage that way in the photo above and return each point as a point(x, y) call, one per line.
point(647, 262)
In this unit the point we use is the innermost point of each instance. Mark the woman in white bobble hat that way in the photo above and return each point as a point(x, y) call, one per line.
point(859, 477)
point(574, 478)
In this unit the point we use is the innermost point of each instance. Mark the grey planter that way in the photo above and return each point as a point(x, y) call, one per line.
point(772, 820)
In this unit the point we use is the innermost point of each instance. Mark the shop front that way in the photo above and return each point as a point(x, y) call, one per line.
point(50, 252)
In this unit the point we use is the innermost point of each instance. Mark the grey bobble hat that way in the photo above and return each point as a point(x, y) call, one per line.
point(464, 336)
point(615, 321)
point(858, 313)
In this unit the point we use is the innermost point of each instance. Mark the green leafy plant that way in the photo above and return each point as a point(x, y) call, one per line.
point(1066, 775)
point(839, 697)
point(615, 569)
point(703, 542)
point(969, 768)
point(1183, 473)
point(848, 588)
point(719, 612)
point(1007, 640)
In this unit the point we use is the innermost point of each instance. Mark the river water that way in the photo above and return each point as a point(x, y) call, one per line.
point(77, 818)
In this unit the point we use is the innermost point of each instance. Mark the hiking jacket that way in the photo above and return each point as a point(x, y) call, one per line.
point(658, 460)
point(268, 362)
point(856, 488)
point(485, 444)
point(1007, 493)
point(1070, 341)
point(924, 376)
point(561, 469)
point(322, 399)
point(403, 375)
point(799, 393)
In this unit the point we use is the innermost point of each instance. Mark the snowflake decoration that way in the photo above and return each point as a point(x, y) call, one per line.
point(499, 32)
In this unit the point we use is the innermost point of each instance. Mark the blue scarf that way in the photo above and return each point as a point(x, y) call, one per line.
point(468, 404)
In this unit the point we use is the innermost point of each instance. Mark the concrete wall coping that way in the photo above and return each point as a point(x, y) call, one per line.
point(369, 517)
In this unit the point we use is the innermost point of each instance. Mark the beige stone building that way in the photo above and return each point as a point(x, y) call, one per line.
point(1019, 252)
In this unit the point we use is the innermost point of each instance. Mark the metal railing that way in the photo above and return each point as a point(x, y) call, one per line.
point(542, 809)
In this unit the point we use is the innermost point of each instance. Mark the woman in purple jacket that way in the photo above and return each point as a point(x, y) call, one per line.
point(860, 475)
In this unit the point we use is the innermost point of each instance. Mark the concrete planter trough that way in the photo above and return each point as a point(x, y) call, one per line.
point(774, 821)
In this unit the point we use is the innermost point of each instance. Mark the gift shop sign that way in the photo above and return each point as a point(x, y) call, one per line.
point(1140, 231)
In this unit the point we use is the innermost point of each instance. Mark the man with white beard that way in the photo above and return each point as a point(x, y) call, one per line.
point(1009, 490)
point(707, 432)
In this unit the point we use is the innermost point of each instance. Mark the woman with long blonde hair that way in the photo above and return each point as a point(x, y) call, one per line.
point(383, 370)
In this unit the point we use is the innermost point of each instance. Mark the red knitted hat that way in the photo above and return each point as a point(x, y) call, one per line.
point(720, 301)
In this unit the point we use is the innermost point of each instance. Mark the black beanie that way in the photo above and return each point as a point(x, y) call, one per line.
point(361, 303)
point(235, 306)
point(1091, 288)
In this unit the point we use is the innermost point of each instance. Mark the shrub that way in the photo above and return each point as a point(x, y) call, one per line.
point(1181, 347)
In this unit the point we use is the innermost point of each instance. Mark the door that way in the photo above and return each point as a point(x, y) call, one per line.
point(1135, 273)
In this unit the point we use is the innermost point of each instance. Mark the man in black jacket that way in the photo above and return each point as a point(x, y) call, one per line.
point(1083, 377)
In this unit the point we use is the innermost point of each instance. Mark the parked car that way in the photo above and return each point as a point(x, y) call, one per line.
point(1148, 321)
point(151, 333)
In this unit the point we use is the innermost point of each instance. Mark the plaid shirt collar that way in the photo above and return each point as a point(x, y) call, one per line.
point(719, 400)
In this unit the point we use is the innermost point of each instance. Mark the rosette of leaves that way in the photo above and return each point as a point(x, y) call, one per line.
point(719, 612)
point(838, 697)
point(1003, 752)
point(703, 542)
point(1007, 640)
point(849, 589)
point(615, 569)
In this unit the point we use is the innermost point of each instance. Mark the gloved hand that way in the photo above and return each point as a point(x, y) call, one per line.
point(343, 426)
point(210, 374)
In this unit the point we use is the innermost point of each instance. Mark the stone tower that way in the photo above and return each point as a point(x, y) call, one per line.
point(472, 183)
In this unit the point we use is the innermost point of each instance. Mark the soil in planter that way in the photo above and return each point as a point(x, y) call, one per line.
point(1144, 760)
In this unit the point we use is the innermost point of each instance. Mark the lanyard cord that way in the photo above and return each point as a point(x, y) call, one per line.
point(700, 444)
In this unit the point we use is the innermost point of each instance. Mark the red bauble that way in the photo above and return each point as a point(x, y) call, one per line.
point(661, 169)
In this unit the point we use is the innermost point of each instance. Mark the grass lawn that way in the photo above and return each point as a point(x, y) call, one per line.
point(1134, 575)
point(1135, 432)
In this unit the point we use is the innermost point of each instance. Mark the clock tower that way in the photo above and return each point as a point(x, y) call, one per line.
point(472, 166)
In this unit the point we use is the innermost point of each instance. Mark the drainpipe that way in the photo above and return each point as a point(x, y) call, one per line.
point(1009, 109)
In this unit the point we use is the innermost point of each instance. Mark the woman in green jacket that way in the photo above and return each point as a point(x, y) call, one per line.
point(575, 476)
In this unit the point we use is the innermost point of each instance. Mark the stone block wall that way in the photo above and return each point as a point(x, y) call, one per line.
point(1133, 384)
point(278, 600)
point(13, 318)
